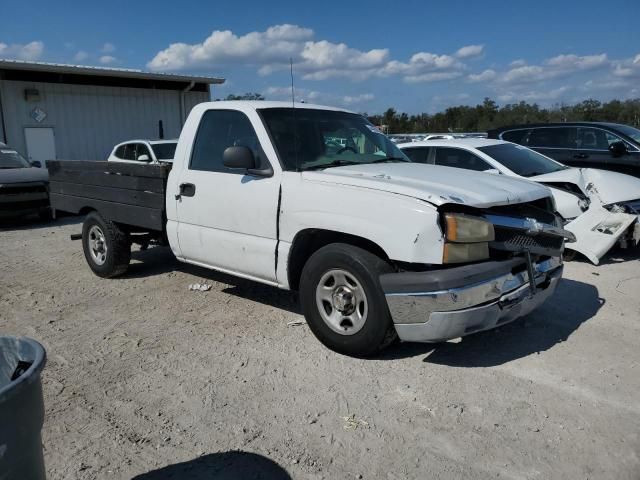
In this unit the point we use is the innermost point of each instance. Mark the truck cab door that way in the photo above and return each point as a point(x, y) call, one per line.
point(227, 218)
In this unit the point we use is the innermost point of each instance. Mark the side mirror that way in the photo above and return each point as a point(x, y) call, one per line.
point(36, 163)
point(241, 158)
point(495, 171)
point(617, 149)
point(143, 158)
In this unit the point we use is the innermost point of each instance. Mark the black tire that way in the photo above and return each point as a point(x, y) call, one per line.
point(378, 330)
point(118, 247)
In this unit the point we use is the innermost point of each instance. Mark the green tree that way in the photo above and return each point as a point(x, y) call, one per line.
point(246, 96)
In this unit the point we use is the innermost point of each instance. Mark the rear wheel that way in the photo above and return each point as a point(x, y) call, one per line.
point(343, 302)
point(106, 246)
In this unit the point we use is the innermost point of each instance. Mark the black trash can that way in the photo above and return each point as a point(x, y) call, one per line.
point(21, 409)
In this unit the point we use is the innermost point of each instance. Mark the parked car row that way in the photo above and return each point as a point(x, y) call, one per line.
point(609, 146)
point(600, 207)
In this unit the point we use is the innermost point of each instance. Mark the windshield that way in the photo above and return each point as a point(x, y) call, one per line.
point(522, 160)
point(164, 151)
point(634, 133)
point(308, 139)
point(11, 159)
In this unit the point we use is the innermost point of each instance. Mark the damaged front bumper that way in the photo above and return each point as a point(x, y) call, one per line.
point(598, 229)
point(450, 303)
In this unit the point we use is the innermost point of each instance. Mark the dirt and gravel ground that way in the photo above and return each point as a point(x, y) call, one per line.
point(146, 379)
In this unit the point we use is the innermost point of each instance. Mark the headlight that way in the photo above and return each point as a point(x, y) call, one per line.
point(468, 229)
point(467, 238)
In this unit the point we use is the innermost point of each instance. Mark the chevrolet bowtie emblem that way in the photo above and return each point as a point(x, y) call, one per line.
point(533, 226)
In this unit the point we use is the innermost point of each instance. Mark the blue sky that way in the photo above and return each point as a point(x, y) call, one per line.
point(414, 55)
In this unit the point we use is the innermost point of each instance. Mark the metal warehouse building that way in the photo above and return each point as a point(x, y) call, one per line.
point(70, 112)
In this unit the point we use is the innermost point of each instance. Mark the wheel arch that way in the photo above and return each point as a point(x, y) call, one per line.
point(308, 241)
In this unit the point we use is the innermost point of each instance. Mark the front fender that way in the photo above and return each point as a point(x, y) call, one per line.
point(406, 228)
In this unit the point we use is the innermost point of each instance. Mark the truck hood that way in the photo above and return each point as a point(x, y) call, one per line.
point(610, 187)
point(434, 184)
point(23, 175)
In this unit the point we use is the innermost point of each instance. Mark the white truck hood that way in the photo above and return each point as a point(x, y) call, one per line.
point(610, 187)
point(434, 184)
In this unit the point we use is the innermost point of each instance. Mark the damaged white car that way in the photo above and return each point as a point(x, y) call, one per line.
point(599, 207)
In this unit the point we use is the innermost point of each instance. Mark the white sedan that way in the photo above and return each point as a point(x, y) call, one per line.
point(144, 151)
point(599, 207)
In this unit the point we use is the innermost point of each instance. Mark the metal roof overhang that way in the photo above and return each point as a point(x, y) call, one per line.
point(66, 69)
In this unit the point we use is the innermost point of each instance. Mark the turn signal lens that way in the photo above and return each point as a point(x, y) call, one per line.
point(465, 252)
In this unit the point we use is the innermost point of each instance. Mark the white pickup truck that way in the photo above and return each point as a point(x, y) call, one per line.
point(317, 200)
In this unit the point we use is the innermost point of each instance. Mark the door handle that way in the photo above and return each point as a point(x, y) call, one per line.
point(580, 155)
point(186, 190)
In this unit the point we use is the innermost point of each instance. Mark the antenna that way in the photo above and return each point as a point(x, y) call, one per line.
point(293, 114)
point(293, 98)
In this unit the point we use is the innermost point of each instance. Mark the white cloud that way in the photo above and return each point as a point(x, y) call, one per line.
point(518, 63)
point(627, 69)
point(575, 62)
point(556, 67)
point(358, 99)
point(80, 56)
point(306, 95)
point(323, 59)
point(273, 46)
point(424, 67)
point(485, 76)
point(108, 48)
point(432, 77)
point(534, 95)
point(30, 51)
point(271, 50)
point(107, 59)
point(470, 51)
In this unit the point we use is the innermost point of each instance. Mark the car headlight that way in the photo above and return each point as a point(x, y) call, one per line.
point(466, 238)
point(467, 229)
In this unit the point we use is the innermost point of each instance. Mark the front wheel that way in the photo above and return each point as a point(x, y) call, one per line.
point(106, 246)
point(343, 302)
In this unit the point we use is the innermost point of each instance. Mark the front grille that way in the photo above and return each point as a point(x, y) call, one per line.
point(18, 189)
point(518, 241)
point(26, 205)
point(540, 209)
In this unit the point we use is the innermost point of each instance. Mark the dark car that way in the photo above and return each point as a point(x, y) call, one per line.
point(610, 146)
point(23, 186)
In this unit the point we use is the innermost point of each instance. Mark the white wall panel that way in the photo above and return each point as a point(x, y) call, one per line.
point(89, 120)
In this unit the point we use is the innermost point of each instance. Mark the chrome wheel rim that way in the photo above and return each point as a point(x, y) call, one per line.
point(342, 302)
point(97, 245)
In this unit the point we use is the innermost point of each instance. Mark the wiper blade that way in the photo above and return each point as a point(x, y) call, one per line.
point(391, 159)
point(335, 163)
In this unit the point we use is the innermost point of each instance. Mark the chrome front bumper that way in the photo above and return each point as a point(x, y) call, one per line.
point(466, 299)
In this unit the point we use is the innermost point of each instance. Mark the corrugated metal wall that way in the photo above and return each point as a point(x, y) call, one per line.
point(89, 120)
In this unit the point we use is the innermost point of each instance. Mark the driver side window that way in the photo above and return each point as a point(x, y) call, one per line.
point(459, 158)
point(218, 130)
